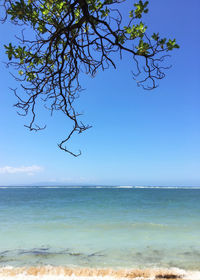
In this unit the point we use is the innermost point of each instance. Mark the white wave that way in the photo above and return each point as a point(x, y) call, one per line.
point(167, 187)
point(124, 187)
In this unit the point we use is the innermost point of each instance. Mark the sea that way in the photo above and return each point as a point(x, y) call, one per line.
point(99, 231)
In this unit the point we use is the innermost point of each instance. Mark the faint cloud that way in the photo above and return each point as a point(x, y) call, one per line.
point(29, 170)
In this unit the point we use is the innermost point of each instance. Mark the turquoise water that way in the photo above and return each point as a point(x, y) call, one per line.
point(100, 227)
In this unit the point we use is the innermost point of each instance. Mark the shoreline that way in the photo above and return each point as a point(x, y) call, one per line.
point(69, 273)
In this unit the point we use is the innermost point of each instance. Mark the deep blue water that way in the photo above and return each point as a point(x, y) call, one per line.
point(100, 227)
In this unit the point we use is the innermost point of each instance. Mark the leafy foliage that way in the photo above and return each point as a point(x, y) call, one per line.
point(74, 36)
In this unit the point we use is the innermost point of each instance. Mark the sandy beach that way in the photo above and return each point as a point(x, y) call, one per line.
point(66, 273)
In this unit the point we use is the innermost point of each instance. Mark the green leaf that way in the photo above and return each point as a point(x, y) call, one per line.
point(155, 36)
point(131, 14)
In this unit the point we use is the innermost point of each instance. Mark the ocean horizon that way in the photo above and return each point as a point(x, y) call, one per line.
point(45, 185)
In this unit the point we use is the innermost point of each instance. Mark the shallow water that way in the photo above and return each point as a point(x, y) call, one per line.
point(100, 227)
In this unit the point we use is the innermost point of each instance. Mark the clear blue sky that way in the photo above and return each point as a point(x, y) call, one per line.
point(138, 137)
